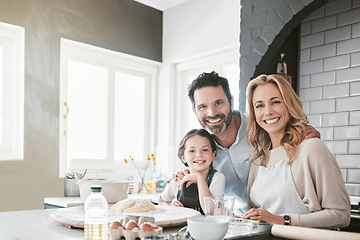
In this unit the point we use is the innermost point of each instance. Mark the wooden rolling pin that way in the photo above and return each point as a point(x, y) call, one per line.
point(292, 232)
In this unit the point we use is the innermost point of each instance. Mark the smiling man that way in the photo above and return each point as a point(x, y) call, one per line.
point(212, 104)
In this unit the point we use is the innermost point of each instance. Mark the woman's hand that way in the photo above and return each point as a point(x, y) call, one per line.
point(176, 203)
point(263, 215)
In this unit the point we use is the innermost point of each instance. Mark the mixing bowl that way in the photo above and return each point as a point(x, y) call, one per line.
point(113, 191)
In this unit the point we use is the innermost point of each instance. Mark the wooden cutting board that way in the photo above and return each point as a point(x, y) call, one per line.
point(165, 216)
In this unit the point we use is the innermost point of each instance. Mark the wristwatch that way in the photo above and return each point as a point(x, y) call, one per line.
point(287, 219)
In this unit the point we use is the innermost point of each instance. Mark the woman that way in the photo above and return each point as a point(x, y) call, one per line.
point(292, 180)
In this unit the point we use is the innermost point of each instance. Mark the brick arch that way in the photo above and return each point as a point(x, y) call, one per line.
point(264, 27)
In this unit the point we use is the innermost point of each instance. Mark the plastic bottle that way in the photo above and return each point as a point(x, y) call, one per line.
point(96, 215)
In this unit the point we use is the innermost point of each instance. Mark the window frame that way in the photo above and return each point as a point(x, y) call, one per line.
point(115, 62)
point(13, 82)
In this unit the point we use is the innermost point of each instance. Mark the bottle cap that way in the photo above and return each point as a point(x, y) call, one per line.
point(95, 188)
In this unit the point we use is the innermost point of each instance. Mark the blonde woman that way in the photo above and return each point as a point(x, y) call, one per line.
point(292, 180)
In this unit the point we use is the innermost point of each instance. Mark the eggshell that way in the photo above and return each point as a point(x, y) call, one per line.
point(130, 225)
point(115, 225)
point(147, 227)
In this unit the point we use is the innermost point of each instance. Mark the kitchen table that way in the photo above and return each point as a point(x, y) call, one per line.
point(37, 224)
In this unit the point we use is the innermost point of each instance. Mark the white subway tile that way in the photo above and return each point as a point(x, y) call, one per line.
point(348, 75)
point(355, 88)
point(315, 120)
point(306, 107)
point(336, 91)
point(338, 62)
point(335, 119)
point(323, 79)
point(338, 34)
point(353, 176)
point(348, 46)
point(353, 189)
point(305, 55)
point(348, 17)
point(323, 24)
point(355, 30)
point(310, 94)
point(337, 7)
point(355, 59)
point(324, 106)
point(343, 174)
point(311, 67)
point(348, 104)
point(348, 161)
point(305, 81)
point(323, 51)
point(348, 132)
point(312, 40)
point(337, 147)
point(327, 134)
point(305, 28)
point(354, 146)
point(315, 14)
point(355, 118)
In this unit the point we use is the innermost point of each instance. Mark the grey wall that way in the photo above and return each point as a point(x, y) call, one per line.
point(122, 25)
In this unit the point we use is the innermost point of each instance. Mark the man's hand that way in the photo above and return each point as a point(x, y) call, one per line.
point(311, 132)
point(178, 175)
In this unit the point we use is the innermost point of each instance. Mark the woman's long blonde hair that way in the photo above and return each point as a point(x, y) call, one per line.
point(258, 138)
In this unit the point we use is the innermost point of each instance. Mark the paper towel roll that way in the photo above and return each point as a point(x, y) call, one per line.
point(292, 232)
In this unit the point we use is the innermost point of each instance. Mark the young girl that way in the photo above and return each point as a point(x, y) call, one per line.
point(196, 151)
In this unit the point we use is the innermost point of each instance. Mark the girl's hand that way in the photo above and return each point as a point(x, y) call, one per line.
point(190, 178)
point(176, 203)
point(263, 215)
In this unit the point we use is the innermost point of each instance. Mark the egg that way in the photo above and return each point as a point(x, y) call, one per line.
point(148, 227)
point(115, 225)
point(130, 225)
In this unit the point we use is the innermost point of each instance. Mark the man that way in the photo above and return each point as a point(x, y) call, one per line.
point(212, 104)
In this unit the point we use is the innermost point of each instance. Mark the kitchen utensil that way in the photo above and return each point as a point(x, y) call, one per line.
point(208, 227)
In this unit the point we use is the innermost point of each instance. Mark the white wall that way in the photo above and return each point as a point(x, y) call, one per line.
point(330, 82)
point(192, 29)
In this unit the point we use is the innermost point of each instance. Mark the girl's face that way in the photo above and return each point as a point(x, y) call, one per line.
point(270, 110)
point(198, 153)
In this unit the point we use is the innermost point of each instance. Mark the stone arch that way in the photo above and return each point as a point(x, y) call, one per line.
point(264, 27)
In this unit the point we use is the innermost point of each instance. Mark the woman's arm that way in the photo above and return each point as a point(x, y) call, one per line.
point(319, 183)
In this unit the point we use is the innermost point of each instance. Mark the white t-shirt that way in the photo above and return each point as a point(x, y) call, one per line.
point(217, 187)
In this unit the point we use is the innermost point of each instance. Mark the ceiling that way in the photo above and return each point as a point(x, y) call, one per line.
point(161, 5)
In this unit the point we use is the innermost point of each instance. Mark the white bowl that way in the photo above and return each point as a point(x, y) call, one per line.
point(113, 191)
point(208, 227)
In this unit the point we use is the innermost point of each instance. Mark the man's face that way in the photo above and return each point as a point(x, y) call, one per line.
point(212, 109)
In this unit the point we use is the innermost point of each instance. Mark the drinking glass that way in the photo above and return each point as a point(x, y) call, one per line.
point(219, 205)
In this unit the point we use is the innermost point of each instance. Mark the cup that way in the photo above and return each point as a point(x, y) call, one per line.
point(219, 205)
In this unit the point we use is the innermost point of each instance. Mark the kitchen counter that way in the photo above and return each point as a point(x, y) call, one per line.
point(37, 224)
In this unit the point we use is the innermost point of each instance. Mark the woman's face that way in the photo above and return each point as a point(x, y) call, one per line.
point(198, 153)
point(270, 110)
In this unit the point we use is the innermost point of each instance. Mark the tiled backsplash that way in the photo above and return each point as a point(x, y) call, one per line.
point(330, 82)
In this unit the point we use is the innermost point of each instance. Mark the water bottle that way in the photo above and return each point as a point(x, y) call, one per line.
point(96, 215)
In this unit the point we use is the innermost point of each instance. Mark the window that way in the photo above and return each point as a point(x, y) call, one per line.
point(11, 92)
point(107, 106)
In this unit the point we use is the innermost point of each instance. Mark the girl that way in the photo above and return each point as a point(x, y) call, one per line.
point(292, 180)
point(196, 151)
